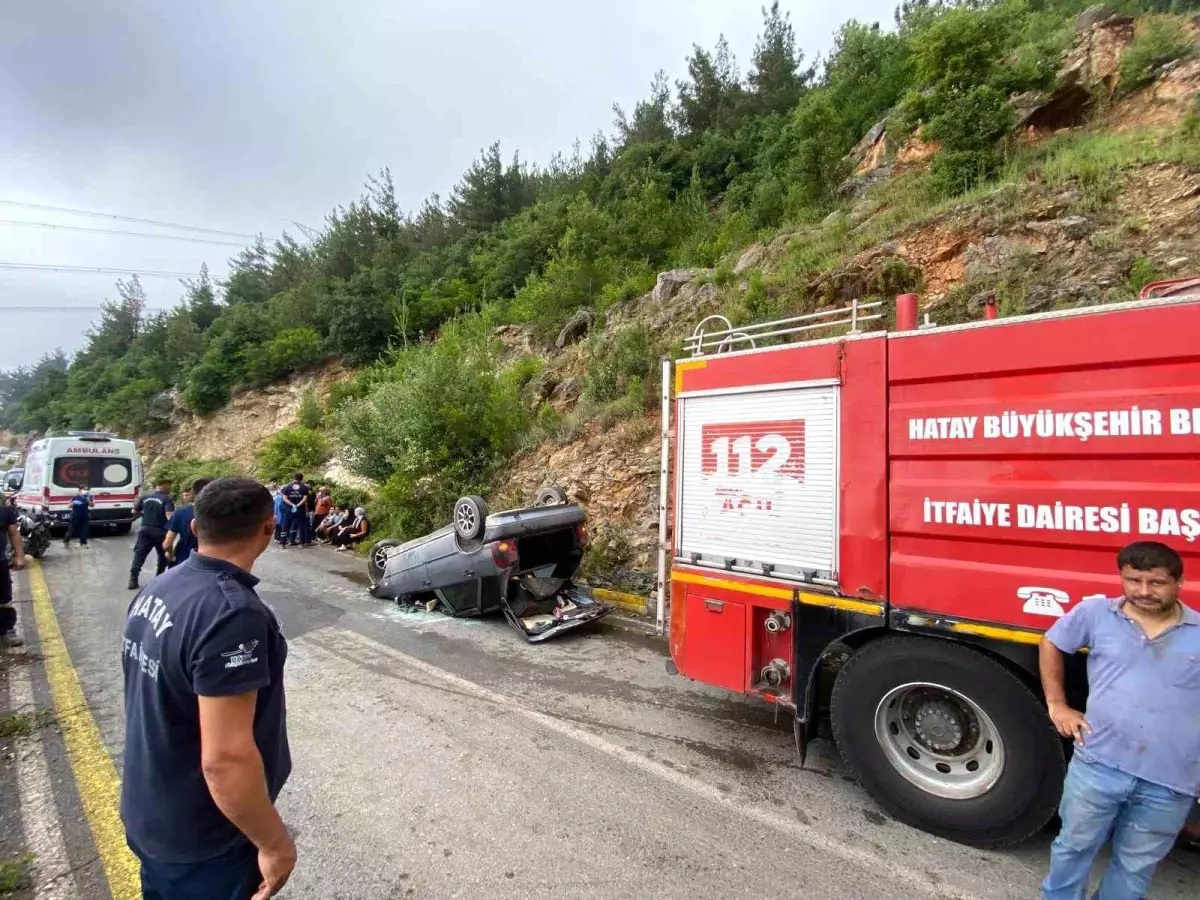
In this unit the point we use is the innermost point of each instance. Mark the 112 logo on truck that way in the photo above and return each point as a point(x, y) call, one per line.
point(744, 461)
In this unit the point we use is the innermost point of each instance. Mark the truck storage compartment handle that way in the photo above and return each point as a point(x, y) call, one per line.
point(714, 605)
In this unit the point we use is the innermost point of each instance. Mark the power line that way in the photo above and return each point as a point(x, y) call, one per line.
point(60, 309)
point(158, 237)
point(89, 270)
point(100, 215)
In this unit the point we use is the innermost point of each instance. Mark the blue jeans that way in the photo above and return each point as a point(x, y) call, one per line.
point(1142, 818)
point(232, 876)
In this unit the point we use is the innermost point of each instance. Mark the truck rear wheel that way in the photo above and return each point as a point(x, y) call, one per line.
point(948, 740)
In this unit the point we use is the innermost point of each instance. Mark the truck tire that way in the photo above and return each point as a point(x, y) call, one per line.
point(377, 560)
point(948, 740)
point(470, 517)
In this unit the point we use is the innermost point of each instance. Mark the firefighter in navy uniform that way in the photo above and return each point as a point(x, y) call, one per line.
point(155, 510)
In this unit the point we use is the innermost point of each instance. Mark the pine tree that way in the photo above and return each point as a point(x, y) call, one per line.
point(776, 78)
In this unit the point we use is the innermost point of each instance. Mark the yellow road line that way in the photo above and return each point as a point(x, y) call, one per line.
point(807, 599)
point(95, 774)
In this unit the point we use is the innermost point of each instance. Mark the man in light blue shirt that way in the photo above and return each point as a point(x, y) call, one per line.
point(1135, 773)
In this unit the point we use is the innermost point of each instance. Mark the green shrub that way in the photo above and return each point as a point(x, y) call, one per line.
point(609, 552)
point(956, 172)
point(207, 387)
point(182, 472)
point(973, 121)
point(287, 352)
point(309, 414)
point(435, 432)
point(1141, 273)
point(291, 450)
point(615, 361)
point(1158, 40)
point(349, 497)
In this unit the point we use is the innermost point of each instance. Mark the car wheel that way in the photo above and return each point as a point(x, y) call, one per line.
point(123, 528)
point(947, 739)
point(470, 517)
point(551, 496)
point(377, 560)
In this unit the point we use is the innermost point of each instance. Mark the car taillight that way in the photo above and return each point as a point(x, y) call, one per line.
point(581, 532)
point(46, 494)
point(504, 553)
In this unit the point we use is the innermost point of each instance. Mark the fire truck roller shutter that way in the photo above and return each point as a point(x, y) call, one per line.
point(758, 477)
point(948, 739)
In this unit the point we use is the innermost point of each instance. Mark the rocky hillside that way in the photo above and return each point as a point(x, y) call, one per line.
point(1099, 199)
point(1036, 155)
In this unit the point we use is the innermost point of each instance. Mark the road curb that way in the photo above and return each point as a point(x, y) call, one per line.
point(628, 602)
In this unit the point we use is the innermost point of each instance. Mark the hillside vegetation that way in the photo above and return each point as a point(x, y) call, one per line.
point(775, 160)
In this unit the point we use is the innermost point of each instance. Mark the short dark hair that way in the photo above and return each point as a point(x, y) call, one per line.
point(299, 476)
point(1146, 555)
point(200, 484)
point(161, 481)
point(232, 509)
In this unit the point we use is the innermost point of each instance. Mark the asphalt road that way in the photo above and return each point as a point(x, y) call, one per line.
point(439, 758)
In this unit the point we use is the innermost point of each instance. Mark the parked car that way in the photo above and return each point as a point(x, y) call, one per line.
point(519, 562)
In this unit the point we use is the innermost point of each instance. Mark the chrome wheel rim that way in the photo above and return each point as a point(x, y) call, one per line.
point(381, 558)
point(466, 519)
point(939, 740)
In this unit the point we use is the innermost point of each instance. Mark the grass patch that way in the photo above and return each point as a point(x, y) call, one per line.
point(20, 724)
point(14, 874)
point(1141, 273)
point(1106, 241)
point(1158, 41)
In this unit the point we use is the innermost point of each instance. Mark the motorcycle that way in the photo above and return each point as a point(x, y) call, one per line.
point(35, 534)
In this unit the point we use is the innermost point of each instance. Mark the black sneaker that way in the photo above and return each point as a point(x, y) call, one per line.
point(133, 585)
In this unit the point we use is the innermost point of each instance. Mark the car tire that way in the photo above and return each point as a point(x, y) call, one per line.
point(898, 694)
point(470, 517)
point(551, 496)
point(123, 528)
point(377, 559)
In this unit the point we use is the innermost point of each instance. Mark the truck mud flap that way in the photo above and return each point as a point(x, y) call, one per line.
point(575, 606)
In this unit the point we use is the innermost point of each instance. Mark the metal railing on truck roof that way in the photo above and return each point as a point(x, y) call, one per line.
point(729, 338)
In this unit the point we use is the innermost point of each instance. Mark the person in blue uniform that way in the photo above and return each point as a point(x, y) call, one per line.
point(155, 511)
point(206, 746)
point(80, 526)
point(181, 539)
point(296, 498)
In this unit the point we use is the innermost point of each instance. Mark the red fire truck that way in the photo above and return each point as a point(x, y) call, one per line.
point(874, 529)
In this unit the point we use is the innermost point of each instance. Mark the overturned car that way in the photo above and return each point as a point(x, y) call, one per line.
point(519, 562)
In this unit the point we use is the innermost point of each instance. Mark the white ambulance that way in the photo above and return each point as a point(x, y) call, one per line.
point(56, 467)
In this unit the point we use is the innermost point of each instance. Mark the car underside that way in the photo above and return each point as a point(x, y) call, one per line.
point(519, 562)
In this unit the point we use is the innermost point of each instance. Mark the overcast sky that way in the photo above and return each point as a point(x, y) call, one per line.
point(246, 117)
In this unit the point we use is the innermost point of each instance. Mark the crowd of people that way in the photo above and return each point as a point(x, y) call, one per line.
point(303, 517)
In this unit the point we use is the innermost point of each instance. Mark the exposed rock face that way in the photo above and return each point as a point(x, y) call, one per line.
point(751, 258)
point(577, 326)
point(165, 407)
point(1093, 64)
point(1072, 227)
point(669, 283)
point(234, 432)
point(1091, 16)
point(515, 341)
point(870, 152)
point(611, 470)
point(565, 393)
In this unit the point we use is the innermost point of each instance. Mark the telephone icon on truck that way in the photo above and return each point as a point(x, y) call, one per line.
point(1043, 601)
